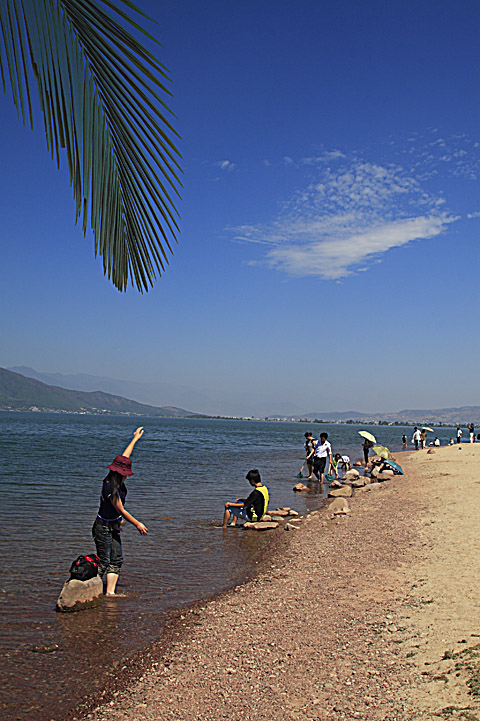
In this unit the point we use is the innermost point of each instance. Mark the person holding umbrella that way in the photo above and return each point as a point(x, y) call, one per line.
point(367, 444)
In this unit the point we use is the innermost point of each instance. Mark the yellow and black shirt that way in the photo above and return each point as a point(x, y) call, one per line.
point(257, 502)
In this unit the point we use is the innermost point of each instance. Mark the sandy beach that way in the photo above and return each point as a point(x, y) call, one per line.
point(372, 615)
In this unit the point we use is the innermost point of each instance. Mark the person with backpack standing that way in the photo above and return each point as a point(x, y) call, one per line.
point(112, 515)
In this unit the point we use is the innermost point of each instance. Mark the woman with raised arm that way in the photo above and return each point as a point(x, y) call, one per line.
point(111, 515)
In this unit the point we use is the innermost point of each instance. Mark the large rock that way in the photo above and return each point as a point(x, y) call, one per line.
point(343, 492)
point(79, 595)
point(351, 475)
point(359, 482)
point(339, 507)
point(301, 488)
point(368, 487)
point(261, 526)
point(335, 484)
point(385, 475)
point(280, 512)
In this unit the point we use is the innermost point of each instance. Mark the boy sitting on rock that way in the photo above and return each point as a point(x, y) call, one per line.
point(250, 509)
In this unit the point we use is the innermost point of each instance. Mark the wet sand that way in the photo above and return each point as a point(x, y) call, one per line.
point(373, 615)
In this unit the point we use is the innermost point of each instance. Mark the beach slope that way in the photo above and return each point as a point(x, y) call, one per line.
point(372, 615)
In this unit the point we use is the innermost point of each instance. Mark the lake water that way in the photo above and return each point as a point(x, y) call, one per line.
point(51, 470)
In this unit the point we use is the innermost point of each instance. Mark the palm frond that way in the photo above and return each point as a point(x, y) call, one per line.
point(102, 98)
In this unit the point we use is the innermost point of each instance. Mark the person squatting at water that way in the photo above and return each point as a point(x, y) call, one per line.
point(111, 515)
point(249, 509)
point(323, 450)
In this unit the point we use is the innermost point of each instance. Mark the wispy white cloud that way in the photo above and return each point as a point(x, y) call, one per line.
point(352, 213)
point(338, 257)
point(226, 165)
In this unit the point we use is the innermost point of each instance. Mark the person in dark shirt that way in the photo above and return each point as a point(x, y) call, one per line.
point(111, 515)
point(309, 450)
point(252, 508)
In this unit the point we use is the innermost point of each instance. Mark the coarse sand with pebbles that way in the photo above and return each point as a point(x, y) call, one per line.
point(372, 615)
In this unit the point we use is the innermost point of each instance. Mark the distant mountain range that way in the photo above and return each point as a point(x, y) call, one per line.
point(71, 392)
point(450, 416)
point(17, 392)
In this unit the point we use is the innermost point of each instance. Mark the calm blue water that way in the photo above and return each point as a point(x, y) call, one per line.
point(50, 476)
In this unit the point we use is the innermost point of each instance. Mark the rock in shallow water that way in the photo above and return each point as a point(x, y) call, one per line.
point(259, 526)
point(79, 595)
point(301, 488)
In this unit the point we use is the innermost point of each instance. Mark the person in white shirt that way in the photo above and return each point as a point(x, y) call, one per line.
point(416, 437)
point(322, 451)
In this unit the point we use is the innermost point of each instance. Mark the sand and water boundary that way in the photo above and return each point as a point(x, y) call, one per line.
point(372, 615)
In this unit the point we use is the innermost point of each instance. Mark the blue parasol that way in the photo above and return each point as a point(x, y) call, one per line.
point(396, 467)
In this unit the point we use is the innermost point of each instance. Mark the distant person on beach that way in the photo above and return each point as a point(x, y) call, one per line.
point(309, 450)
point(423, 438)
point(471, 429)
point(436, 442)
point(366, 445)
point(323, 451)
point(404, 441)
point(416, 438)
point(249, 509)
point(459, 435)
point(112, 515)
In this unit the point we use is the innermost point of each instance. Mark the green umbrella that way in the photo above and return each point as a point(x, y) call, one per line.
point(383, 452)
point(368, 436)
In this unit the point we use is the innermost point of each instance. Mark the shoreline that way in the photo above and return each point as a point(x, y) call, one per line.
point(343, 622)
point(179, 623)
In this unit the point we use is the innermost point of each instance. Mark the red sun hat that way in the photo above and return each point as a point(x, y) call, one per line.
point(122, 465)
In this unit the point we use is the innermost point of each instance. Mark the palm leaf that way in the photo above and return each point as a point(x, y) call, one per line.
point(101, 94)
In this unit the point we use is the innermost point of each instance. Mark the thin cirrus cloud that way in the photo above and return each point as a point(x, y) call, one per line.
point(226, 165)
point(351, 214)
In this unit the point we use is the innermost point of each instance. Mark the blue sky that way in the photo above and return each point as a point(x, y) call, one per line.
point(328, 255)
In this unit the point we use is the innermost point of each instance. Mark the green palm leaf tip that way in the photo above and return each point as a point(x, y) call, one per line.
point(102, 98)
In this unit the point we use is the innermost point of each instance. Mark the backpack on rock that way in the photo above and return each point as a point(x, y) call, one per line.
point(84, 568)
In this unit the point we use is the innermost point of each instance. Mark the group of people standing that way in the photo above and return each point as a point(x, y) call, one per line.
point(317, 454)
point(471, 431)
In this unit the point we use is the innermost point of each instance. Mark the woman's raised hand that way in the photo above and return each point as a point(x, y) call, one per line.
point(138, 433)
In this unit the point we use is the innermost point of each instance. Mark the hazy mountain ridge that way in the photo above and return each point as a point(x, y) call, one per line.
point(17, 392)
point(452, 416)
point(86, 383)
point(156, 393)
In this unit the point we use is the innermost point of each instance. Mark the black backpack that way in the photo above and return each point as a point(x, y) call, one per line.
point(84, 567)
